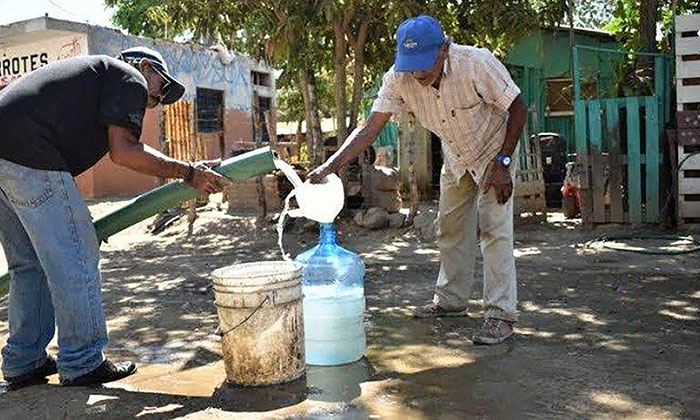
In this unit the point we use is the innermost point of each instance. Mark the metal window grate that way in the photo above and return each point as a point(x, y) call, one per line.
point(210, 110)
point(260, 78)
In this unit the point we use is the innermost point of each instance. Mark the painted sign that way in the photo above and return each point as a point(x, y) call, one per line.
point(18, 60)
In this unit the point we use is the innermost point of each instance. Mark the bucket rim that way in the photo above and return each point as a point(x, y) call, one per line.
point(295, 271)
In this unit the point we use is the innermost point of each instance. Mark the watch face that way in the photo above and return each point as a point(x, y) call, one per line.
point(506, 160)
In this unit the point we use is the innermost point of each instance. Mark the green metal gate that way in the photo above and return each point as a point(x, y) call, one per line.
point(618, 147)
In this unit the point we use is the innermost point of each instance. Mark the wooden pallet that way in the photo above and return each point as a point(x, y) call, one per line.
point(688, 117)
point(687, 62)
point(689, 176)
point(529, 194)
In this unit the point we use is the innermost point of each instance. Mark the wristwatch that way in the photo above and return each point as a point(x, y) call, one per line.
point(504, 160)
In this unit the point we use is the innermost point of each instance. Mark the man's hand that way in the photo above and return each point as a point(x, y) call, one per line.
point(206, 180)
point(317, 175)
point(498, 177)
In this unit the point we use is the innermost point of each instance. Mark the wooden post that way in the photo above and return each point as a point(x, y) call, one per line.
point(615, 179)
point(271, 123)
point(653, 159)
point(188, 135)
point(634, 173)
point(257, 134)
point(299, 141)
point(597, 164)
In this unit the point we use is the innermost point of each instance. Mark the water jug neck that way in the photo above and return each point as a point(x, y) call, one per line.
point(327, 233)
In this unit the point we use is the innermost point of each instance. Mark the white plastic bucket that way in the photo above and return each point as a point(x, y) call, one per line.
point(260, 315)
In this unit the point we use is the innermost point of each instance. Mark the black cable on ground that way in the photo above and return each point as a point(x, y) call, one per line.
point(609, 238)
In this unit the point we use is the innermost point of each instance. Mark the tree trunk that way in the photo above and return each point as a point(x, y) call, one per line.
point(358, 74)
point(313, 122)
point(570, 12)
point(340, 93)
point(339, 65)
point(648, 15)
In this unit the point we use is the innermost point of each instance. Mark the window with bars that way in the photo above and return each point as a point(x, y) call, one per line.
point(210, 110)
point(260, 78)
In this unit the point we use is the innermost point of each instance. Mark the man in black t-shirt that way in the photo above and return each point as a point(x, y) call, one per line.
point(55, 123)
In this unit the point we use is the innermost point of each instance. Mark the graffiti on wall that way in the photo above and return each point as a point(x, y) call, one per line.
point(18, 60)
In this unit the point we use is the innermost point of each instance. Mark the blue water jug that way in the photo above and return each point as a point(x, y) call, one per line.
point(334, 302)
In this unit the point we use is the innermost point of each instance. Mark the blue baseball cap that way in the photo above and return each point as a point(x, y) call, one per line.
point(418, 41)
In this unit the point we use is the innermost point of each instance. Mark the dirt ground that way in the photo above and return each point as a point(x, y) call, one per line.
point(602, 333)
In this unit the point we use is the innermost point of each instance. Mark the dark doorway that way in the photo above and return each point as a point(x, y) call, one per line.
point(553, 149)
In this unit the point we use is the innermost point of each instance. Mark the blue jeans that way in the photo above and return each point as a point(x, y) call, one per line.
point(53, 254)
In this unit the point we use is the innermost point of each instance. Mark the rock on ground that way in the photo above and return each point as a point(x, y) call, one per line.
point(375, 218)
point(396, 220)
point(424, 224)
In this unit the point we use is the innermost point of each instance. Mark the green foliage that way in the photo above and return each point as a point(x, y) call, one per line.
point(626, 15)
point(593, 14)
point(291, 34)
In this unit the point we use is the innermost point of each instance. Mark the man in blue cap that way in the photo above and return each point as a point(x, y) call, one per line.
point(57, 122)
point(467, 98)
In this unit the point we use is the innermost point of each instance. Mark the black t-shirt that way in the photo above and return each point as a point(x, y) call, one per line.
point(56, 117)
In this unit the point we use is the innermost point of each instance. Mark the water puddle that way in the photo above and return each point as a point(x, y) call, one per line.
point(338, 383)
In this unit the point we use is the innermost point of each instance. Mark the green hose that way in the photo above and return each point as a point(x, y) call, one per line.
point(255, 163)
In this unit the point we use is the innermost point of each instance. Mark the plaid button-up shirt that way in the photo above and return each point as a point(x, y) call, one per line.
point(469, 112)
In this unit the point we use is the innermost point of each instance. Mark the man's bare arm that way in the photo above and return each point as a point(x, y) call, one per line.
point(517, 114)
point(126, 150)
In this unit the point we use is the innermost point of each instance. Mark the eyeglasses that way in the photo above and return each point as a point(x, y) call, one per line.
point(165, 88)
